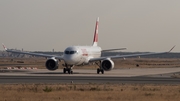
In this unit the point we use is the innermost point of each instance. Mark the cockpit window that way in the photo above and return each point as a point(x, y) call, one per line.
point(70, 52)
point(66, 52)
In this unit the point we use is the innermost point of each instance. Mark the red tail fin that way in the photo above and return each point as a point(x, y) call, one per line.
point(4, 46)
point(95, 41)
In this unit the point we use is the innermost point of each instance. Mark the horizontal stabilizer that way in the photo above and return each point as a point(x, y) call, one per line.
point(113, 49)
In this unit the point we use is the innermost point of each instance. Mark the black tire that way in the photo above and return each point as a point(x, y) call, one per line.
point(64, 70)
point(98, 70)
point(102, 71)
point(71, 72)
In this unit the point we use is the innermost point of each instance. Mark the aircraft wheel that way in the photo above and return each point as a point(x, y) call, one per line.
point(102, 71)
point(64, 70)
point(69, 71)
point(98, 70)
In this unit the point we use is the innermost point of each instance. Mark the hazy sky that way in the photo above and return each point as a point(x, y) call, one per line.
point(139, 25)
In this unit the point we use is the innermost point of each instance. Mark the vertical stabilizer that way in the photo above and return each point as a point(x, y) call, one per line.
point(4, 46)
point(95, 41)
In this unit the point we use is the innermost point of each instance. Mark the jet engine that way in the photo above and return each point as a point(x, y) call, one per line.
point(52, 64)
point(107, 64)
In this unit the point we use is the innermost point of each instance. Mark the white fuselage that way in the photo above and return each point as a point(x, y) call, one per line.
point(78, 55)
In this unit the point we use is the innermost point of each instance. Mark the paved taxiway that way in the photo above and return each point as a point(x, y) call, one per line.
point(124, 75)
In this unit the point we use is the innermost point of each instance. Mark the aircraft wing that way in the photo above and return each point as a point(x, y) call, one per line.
point(130, 55)
point(31, 53)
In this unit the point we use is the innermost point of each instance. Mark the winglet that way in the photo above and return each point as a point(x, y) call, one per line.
point(4, 46)
point(171, 49)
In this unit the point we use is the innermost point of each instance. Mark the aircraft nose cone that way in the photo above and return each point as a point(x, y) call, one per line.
point(69, 59)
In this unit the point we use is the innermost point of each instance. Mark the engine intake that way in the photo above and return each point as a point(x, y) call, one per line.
point(107, 64)
point(52, 64)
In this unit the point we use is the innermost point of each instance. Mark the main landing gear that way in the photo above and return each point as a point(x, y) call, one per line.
point(68, 69)
point(100, 69)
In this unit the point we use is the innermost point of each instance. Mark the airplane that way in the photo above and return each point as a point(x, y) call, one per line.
point(83, 55)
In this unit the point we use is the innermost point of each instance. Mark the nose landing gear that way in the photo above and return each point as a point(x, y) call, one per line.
point(68, 68)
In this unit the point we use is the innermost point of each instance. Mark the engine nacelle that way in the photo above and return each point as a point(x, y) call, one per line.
point(107, 64)
point(52, 64)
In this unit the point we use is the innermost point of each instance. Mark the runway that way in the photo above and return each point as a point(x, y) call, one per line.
point(132, 76)
point(86, 80)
